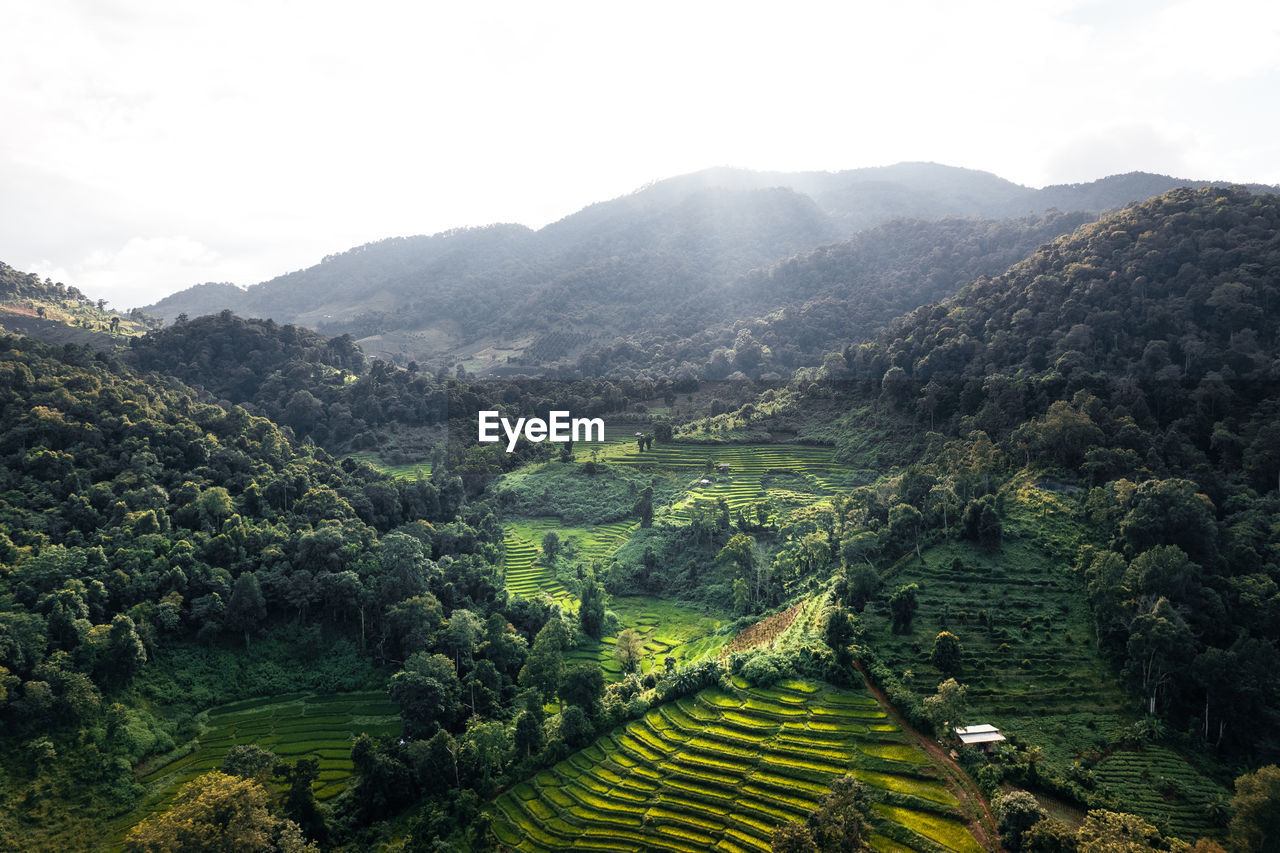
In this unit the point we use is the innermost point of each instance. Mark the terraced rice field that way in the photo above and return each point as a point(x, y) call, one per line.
point(523, 568)
point(292, 727)
point(668, 629)
point(756, 472)
point(525, 576)
point(721, 770)
point(1159, 785)
point(410, 471)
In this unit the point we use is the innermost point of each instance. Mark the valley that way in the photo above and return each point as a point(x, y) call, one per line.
point(831, 520)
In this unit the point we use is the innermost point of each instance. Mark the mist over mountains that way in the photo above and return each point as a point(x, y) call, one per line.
point(682, 257)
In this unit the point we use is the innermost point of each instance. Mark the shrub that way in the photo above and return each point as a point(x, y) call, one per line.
point(763, 669)
point(1017, 812)
point(946, 653)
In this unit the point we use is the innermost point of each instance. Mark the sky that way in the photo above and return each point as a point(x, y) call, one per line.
point(149, 145)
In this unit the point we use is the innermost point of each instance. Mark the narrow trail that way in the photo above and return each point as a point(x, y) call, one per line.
point(983, 828)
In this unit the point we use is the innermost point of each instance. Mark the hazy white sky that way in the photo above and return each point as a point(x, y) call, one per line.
point(153, 144)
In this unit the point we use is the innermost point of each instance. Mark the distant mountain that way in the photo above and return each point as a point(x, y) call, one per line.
point(198, 300)
point(506, 298)
point(770, 321)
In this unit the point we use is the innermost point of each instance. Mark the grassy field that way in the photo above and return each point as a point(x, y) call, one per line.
point(721, 770)
point(293, 726)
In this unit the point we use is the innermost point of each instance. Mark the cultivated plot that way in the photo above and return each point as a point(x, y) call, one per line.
point(293, 727)
point(721, 770)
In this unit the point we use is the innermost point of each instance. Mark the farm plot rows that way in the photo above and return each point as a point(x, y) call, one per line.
point(1029, 657)
point(300, 727)
point(668, 629)
point(525, 576)
point(1159, 785)
point(524, 568)
point(721, 770)
point(807, 471)
point(319, 727)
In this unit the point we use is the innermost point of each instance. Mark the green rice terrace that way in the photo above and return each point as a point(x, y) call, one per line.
point(721, 770)
point(293, 726)
point(407, 471)
point(527, 575)
point(751, 473)
point(669, 629)
point(782, 474)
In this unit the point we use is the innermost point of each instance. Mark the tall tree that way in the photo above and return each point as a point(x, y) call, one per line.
point(1255, 811)
point(583, 684)
point(216, 813)
point(644, 507)
point(544, 668)
point(629, 649)
point(839, 824)
point(946, 653)
point(247, 608)
point(903, 605)
point(591, 607)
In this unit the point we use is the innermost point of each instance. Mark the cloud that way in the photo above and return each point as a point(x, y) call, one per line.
point(1119, 149)
point(274, 133)
point(130, 275)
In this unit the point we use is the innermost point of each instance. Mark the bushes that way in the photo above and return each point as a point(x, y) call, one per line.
point(905, 700)
point(1018, 811)
point(762, 669)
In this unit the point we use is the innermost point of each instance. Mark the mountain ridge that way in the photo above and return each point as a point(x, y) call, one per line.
point(484, 296)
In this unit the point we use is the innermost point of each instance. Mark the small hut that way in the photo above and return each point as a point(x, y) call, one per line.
point(983, 737)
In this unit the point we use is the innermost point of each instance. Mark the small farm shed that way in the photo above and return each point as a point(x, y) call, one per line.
point(722, 467)
point(982, 736)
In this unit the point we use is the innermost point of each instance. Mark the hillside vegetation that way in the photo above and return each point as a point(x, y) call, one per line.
point(58, 313)
point(1104, 454)
point(748, 618)
point(664, 264)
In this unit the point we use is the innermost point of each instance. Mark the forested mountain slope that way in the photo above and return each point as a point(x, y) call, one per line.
point(1137, 362)
point(151, 540)
point(485, 297)
point(767, 323)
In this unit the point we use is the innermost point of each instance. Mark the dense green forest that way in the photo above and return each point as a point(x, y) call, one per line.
point(1134, 363)
point(146, 528)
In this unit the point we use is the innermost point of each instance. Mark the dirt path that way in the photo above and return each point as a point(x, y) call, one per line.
point(964, 788)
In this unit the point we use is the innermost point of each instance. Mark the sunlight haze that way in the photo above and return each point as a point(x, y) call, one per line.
point(150, 146)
